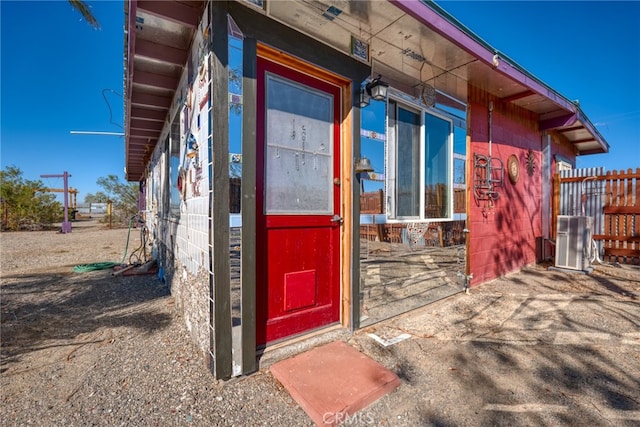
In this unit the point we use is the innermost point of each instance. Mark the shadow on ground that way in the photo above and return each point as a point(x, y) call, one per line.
point(41, 311)
point(537, 348)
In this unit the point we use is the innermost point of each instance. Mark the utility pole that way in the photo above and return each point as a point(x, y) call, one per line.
point(66, 225)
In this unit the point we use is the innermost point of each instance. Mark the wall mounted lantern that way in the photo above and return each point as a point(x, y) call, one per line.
point(377, 89)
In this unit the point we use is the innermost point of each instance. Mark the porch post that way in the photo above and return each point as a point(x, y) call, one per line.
point(248, 264)
point(546, 193)
point(355, 208)
point(220, 303)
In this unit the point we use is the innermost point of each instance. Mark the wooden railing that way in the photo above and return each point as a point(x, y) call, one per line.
point(614, 195)
point(622, 216)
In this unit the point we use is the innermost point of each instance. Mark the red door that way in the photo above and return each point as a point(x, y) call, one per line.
point(298, 202)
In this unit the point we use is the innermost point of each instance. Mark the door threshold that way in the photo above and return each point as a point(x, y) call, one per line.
point(290, 347)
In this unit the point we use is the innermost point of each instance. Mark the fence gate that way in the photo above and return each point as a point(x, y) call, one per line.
point(612, 199)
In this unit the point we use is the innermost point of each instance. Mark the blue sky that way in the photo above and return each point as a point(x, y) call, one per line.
point(55, 67)
point(586, 50)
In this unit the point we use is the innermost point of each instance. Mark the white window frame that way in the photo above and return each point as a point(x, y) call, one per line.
point(562, 165)
point(391, 155)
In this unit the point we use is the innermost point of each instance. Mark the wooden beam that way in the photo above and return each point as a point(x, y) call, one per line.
point(155, 133)
point(616, 238)
point(348, 237)
point(148, 114)
point(145, 125)
point(172, 11)
point(517, 96)
point(160, 52)
point(622, 252)
point(622, 210)
point(570, 129)
point(556, 205)
point(157, 101)
point(608, 176)
point(220, 278)
point(594, 151)
point(248, 256)
point(548, 124)
point(580, 141)
point(155, 80)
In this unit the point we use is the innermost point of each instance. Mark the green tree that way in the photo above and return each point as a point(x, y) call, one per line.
point(122, 195)
point(99, 197)
point(25, 203)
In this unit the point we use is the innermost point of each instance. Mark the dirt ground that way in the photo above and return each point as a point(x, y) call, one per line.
point(538, 347)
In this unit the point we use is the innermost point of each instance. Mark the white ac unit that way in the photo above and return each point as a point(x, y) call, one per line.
point(572, 241)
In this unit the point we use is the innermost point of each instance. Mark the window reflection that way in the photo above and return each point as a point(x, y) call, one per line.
point(412, 212)
point(408, 163)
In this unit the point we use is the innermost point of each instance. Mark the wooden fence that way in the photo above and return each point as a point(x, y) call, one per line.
point(612, 199)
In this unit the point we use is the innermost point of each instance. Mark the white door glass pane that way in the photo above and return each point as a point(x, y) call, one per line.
point(408, 166)
point(299, 149)
point(437, 161)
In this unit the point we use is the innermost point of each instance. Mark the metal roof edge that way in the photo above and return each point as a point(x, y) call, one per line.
point(582, 118)
point(433, 15)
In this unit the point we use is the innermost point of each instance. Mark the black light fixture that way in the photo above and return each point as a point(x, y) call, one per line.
point(377, 89)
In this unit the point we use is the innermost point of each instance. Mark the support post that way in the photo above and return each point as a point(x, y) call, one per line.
point(248, 275)
point(66, 225)
point(220, 289)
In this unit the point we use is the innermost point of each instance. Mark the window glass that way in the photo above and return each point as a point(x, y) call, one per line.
point(408, 164)
point(235, 125)
point(372, 147)
point(437, 164)
point(174, 167)
point(299, 152)
point(412, 207)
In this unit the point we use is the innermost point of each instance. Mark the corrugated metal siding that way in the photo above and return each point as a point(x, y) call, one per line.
point(585, 197)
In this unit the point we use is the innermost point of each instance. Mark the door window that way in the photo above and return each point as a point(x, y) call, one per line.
point(299, 149)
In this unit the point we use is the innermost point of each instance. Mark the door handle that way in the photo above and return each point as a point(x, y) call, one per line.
point(337, 219)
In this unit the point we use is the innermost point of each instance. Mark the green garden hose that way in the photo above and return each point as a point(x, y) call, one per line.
point(83, 268)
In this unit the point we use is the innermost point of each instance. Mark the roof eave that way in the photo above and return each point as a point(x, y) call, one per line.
point(433, 16)
point(130, 9)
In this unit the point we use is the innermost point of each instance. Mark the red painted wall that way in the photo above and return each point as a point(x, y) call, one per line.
point(503, 237)
point(563, 149)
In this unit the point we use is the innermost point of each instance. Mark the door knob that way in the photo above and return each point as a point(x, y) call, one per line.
point(337, 219)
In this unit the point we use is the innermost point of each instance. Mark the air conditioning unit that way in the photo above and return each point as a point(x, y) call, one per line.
point(573, 238)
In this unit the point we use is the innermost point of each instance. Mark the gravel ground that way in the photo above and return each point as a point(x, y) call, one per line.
point(97, 349)
point(539, 347)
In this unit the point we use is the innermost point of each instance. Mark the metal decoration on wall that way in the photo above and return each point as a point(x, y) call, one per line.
point(513, 168)
point(531, 163)
point(428, 95)
point(488, 177)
